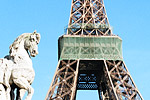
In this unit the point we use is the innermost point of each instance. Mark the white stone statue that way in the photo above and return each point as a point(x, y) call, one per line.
point(16, 71)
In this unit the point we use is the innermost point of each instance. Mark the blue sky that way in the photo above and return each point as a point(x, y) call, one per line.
point(129, 19)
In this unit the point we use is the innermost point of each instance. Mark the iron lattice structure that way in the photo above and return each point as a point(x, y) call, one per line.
point(88, 17)
point(90, 57)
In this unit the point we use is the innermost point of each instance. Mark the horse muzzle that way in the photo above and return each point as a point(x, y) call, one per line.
point(34, 53)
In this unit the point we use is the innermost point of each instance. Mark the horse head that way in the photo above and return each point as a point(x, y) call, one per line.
point(31, 43)
point(27, 41)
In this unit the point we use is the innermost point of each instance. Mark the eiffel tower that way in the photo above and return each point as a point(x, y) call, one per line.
point(90, 57)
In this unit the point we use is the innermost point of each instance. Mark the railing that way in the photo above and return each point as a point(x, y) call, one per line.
point(86, 26)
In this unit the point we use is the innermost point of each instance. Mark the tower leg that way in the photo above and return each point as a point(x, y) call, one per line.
point(121, 81)
point(115, 82)
point(74, 88)
point(63, 86)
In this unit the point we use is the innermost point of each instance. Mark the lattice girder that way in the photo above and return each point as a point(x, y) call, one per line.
point(63, 82)
point(89, 16)
point(110, 77)
point(122, 81)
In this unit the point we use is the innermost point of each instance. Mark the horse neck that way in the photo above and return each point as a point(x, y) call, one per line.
point(21, 50)
point(22, 57)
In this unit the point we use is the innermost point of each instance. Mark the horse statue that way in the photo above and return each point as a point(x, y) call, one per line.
point(16, 71)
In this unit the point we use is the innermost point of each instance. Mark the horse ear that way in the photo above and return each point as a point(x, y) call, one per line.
point(38, 37)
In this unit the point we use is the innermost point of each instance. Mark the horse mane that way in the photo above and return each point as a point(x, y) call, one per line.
point(19, 39)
